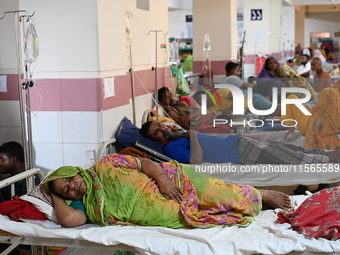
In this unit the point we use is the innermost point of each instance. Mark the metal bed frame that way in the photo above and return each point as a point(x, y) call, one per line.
point(35, 242)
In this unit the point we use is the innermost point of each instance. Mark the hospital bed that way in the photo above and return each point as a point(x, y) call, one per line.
point(263, 236)
point(258, 175)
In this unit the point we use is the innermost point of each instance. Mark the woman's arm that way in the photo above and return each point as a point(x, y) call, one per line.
point(180, 120)
point(166, 187)
point(66, 215)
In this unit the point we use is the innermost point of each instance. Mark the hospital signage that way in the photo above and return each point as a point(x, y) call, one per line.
point(256, 14)
point(238, 104)
point(238, 100)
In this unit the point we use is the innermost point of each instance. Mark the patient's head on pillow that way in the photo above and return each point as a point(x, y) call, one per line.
point(41, 199)
point(159, 133)
point(128, 134)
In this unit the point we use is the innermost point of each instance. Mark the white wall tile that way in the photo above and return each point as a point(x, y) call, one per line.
point(47, 127)
point(81, 127)
point(112, 117)
point(143, 103)
point(48, 156)
point(8, 134)
point(110, 123)
point(82, 155)
point(125, 110)
point(10, 113)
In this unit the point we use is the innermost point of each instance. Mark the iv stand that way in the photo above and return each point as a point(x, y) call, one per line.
point(155, 68)
point(129, 15)
point(24, 104)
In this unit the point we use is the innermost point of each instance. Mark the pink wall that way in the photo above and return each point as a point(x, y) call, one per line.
point(84, 94)
point(217, 67)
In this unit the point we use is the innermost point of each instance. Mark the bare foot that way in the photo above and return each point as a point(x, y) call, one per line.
point(275, 199)
point(334, 156)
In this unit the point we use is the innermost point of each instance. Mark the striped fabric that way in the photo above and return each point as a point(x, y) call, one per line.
point(256, 152)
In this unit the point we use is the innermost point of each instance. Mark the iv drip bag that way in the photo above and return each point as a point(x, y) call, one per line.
point(128, 32)
point(207, 45)
point(31, 48)
point(174, 55)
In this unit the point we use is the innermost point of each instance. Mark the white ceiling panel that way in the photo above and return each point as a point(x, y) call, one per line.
point(311, 2)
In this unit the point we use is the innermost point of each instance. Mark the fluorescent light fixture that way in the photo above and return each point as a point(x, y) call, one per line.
point(320, 35)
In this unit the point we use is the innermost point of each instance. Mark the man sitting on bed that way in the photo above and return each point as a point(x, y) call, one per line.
point(177, 110)
point(233, 148)
point(12, 162)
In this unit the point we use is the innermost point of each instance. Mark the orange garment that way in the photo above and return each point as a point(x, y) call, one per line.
point(294, 113)
point(324, 124)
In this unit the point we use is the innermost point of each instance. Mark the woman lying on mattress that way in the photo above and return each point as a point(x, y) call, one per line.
point(126, 190)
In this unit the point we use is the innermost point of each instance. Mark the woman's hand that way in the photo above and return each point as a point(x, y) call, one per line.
point(165, 186)
point(66, 215)
point(169, 189)
point(55, 197)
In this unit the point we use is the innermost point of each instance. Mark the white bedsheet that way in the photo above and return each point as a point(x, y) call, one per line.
point(263, 236)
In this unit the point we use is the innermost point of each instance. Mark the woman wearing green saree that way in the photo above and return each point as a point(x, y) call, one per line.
point(125, 190)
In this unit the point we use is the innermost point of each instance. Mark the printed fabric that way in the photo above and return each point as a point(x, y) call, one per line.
point(292, 79)
point(119, 193)
point(324, 123)
point(317, 216)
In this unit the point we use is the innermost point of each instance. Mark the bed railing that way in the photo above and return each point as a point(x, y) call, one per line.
point(106, 148)
point(29, 175)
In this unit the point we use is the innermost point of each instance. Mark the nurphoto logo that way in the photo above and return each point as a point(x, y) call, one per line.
point(238, 104)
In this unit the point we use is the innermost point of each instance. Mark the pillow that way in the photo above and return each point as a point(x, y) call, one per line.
point(128, 134)
point(41, 200)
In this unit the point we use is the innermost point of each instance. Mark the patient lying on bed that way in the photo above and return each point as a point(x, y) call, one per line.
point(197, 148)
point(126, 190)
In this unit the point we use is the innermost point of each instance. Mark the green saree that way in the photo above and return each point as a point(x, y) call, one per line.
point(119, 193)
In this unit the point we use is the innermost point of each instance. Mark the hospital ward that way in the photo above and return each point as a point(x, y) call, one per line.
point(162, 127)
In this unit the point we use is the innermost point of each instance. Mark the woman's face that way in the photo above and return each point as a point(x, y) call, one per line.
point(72, 188)
point(271, 65)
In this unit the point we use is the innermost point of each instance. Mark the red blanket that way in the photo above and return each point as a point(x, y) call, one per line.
point(18, 209)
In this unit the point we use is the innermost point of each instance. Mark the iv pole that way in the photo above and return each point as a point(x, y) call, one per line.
point(129, 45)
point(155, 68)
point(24, 104)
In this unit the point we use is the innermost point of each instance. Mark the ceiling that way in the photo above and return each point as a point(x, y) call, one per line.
point(309, 2)
point(308, 5)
